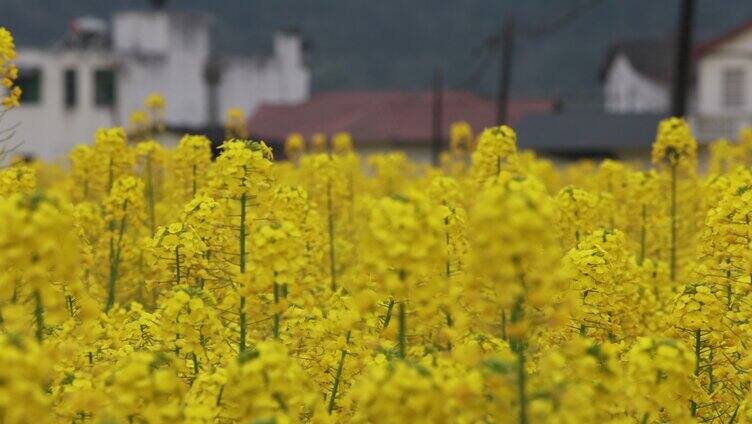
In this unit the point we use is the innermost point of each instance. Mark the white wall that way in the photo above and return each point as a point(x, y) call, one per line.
point(294, 83)
point(48, 129)
point(152, 51)
point(713, 119)
point(735, 54)
point(282, 78)
point(627, 91)
point(167, 53)
point(141, 32)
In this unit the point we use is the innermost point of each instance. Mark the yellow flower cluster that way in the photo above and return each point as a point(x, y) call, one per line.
point(147, 122)
point(235, 126)
point(17, 178)
point(675, 144)
point(155, 284)
point(8, 71)
point(294, 146)
point(496, 151)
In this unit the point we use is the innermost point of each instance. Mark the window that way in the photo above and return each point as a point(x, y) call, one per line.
point(70, 88)
point(733, 88)
point(30, 82)
point(104, 87)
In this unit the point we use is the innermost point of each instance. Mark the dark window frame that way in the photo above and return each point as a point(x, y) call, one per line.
point(70, 88)
point(30, 80)
point(105, 87)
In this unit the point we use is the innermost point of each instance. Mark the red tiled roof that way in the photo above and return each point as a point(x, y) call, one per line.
point(379, 116)
point(710, 46)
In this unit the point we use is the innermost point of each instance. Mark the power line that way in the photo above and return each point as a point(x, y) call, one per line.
point(477, 74)
point(495, 45)
point(503, 44)
point(559, 22)
point(550, 27)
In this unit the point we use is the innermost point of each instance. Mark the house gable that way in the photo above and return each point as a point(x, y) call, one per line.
point(733, 42)
point(626, 90)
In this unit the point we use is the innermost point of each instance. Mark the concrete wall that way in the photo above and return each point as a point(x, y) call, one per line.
point(48, 129)
point(167, 53)
point(281, 78)
point(627, 91)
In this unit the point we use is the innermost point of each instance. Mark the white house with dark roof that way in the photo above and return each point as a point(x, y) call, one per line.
point(636, 77)
point(724, 84)
point(102, 71)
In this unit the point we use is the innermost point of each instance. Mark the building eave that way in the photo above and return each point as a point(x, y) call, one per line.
point(713, 45)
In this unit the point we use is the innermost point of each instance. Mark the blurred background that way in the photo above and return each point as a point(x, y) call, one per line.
point(574, 77)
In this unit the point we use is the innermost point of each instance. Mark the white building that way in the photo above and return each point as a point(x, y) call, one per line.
point(636, 77)
point(97, 76)
point(724, 84)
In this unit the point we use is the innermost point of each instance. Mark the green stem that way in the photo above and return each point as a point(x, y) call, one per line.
point(402, 330)
point(729, 289)
point(150, 195)
point(70, 302)
point(711, 378)
point(241, 347)
point(521, 383)
point(503, 324)
point(733, 416)
point(388, 316)
point(448, 269)
point(643, 235)
point(518, 345)
point(698, 346)
point(242, 235)
point(275, 329)
point(110, 176)
point(115, 251)
point(332, 267)
point(219, 395)
point(177, 264)
point(241, 343)
point(194, 180)
point(673, 222)
point(39, 315)
point(450, 324)
point(195, 363)
point(337, 377)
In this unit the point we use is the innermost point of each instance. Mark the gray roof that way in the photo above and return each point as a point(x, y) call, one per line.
point(650, 57)
point(587, 133)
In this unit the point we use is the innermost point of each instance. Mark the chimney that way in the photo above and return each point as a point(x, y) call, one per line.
point(158, 4)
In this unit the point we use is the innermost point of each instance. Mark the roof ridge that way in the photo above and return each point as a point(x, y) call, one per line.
point(713, 44)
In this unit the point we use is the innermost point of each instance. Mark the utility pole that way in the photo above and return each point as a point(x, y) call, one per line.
point(212, 76)
point(682, 61)
point(505, 70)
point(437, 121)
